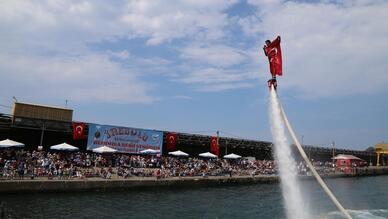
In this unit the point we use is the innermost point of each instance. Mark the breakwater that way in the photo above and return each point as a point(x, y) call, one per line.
point(135, 183)
point(99, 184)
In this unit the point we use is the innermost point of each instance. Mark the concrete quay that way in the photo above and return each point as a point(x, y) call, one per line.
point(136, 183)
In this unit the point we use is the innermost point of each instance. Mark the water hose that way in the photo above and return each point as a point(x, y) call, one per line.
point(309, 164)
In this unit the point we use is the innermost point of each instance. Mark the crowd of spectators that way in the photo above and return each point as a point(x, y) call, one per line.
point(182, 167)
point(20, 164)
point(323, 168)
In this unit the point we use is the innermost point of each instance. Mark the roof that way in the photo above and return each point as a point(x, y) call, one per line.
point(41, 105)
point(346, 157)
point(381, 146)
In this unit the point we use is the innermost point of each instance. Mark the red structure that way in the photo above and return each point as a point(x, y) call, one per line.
point(346, 162)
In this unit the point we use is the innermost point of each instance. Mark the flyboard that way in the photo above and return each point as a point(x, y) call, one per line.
point(273, 51)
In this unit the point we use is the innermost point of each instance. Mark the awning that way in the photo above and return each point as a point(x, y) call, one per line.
point(208, 155)
point(9, 143)
point(232, 156)
point(179, 153)
point(104, 149)
point(149, 151)
point(64, 147)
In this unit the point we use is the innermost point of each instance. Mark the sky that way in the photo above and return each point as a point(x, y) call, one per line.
point(197, 66)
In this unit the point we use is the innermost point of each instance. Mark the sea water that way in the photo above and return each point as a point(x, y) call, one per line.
point(366, 196)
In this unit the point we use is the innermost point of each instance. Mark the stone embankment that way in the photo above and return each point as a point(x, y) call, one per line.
point(135, 183)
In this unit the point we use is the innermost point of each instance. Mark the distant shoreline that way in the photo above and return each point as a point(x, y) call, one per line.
point(135, 183)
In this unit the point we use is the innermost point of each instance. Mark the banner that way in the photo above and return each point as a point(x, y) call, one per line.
point(123, 139)
point(79, 130)
point(274, 53)
point(171, 139)
point(214, 147)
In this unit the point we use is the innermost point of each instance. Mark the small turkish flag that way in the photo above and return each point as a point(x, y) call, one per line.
point(171, 141)
point(79, 130)
point(214, 147)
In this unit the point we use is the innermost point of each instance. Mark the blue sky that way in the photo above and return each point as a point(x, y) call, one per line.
point(197, 66)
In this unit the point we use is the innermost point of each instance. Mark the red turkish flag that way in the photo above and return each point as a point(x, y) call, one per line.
point(214, 147)
point(79, 130)
point(274, 54)
point(171, 141)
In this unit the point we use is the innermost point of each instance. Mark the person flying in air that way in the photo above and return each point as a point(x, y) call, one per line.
point(273, 52)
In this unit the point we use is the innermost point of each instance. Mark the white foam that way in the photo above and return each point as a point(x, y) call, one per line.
point(360, 214)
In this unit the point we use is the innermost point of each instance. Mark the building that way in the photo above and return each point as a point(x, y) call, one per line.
point(348, 161)
point(35, 125)
point(381, 149)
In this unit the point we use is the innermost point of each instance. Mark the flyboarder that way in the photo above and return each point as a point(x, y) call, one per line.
point(274, 53)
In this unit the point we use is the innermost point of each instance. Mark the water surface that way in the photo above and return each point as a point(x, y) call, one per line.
point(366, 196)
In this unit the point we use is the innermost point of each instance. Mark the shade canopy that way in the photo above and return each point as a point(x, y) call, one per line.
point(208, 155)
point(232, 156)
point(9, 143)
point(150, 151)
point(179, 153)
point(64, 147)
point(104, 149)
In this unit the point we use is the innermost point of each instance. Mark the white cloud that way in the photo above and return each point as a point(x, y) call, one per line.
point(165, 22)
point(218, 55)
point(124, 54)
point(182, 97)
point(64, 25)
point(85, 78)
point(152, 65)
point(328, 49)
point(225, 86)
point(213, 75)
point(81, 8)
point(214, 80)
point(154, 61)
point(218, 67)
point(48, 43)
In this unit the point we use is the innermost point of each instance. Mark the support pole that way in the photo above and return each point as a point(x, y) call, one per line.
point(333, 154)
point(218, 144)
point(315, 173)
point(42, 133)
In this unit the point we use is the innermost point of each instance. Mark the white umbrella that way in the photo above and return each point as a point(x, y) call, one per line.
point(64, 147)
point(179, 153)
point(104, 149)
point(9, 143)
point(208, 155)
point(232, 156)
point(150, 151)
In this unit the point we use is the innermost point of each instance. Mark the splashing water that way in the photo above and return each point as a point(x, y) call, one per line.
point(360, 214)
point(295, 208)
